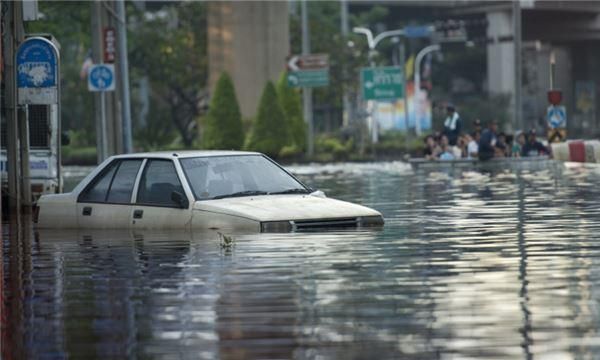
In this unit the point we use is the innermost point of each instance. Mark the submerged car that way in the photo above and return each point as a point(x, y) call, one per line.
point(218, 190)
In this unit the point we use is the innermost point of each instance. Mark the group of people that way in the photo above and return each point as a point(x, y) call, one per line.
point(482, 144)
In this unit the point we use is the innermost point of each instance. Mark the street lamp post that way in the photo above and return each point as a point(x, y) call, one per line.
point(426, 50)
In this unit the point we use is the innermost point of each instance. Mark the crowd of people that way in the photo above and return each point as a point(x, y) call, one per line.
point(483, 143)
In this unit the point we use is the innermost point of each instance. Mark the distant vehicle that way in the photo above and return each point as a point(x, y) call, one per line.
point(44, 143)
point(218, 190)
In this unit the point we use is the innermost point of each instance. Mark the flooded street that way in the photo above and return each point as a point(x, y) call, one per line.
point(478, 265)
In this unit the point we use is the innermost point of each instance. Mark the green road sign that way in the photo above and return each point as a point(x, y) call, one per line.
point(308, 78)
point(382, 83)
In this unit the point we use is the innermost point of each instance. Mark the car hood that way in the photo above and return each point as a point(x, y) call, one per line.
point(284, 207)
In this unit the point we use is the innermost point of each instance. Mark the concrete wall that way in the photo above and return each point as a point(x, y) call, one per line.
point(249, 40)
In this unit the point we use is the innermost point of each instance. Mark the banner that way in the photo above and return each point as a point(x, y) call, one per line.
point(390, 115)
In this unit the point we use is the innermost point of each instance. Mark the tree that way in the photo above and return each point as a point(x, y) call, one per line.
point(169, 46)
point(269, 133)
point(223, 123)
point(291, 104)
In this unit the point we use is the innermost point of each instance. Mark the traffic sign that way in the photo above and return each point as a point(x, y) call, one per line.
point(110, 40)
point(382, 83)
point(308, 70)
point(556, 116)
point(37, 72)
point(101, 77)
point(308, 78)
point(308, 62)
point(417, 31)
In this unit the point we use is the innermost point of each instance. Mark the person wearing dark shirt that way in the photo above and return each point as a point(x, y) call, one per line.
point(533, 147)
point(432, 150)
point(452, 125)
point(487, 142)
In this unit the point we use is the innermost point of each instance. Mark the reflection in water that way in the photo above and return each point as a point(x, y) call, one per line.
point(501, 264)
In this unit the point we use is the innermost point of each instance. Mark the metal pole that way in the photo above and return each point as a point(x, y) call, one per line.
point(24, 142)
point(552, 67)
point(426, 50)
point(103, 130)
point(12, 134)
point(402, 61)
point(96, 24)
point(307, 92)
point(124, 71)
point(517, 44)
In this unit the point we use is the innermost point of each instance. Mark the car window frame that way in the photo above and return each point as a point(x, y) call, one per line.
point(101, 173)
point(144, 168)
point(235, 155)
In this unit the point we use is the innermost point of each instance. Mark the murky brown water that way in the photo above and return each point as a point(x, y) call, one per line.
point(474, 265)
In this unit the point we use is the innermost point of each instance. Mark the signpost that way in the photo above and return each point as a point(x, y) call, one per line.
point(101, 77)
point(37, 72)
point(382, 83)
point(308, 70)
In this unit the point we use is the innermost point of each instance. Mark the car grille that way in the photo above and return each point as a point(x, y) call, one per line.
point(319, 224)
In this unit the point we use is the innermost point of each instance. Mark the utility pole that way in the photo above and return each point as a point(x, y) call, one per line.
point(402, 62)
point(417, 75)
point(306, 91)
point(12, 134)
point(22, 125)
point(347, 116)
point(124, 72)
point(518, 123)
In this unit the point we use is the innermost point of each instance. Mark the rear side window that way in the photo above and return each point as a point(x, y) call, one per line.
point(114, 184)
point(158, 182)
point(122, 185)
point(99, 189)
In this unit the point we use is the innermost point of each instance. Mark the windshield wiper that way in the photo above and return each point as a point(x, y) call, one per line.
point(242, 193)
point(290, 191)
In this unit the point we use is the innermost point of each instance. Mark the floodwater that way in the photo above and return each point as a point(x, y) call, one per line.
point(501, 264)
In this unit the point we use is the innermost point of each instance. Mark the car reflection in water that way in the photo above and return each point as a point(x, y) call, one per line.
point(93, 293)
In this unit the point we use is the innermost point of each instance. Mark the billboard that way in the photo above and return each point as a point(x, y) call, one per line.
point(390, 115)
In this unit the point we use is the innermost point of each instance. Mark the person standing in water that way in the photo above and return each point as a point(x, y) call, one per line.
point(452, 125)
point(488, 141)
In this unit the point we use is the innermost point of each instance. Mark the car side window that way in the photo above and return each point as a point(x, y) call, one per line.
point(100, 185)
point(122, 184)
point(114, 185)
point(158, 182)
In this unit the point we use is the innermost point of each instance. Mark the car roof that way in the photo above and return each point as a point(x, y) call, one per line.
point(184, 154)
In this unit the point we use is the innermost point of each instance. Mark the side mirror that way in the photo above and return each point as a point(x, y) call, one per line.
point(179, 199)
point(318, 193)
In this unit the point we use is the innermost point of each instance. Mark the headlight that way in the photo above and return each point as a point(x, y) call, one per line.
point(366, 221)
point(276, 226)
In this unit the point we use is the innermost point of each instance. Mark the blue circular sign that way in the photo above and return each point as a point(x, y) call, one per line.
point(102, 77)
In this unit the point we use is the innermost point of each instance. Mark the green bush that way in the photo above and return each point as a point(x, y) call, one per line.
point(330, 148)
point(269, 132)
point(223, 123)
point(394, 142)
point(291, 104)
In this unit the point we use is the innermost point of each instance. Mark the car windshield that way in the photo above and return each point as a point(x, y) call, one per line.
point(219, 177)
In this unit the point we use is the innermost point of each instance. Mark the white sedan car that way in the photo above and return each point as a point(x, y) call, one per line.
point(218, 190)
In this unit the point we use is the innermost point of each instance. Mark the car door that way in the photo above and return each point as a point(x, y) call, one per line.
point(106, 201)
point(154, 205)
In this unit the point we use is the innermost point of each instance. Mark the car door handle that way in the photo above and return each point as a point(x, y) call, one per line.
point(87, 211)
point(137, 214)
